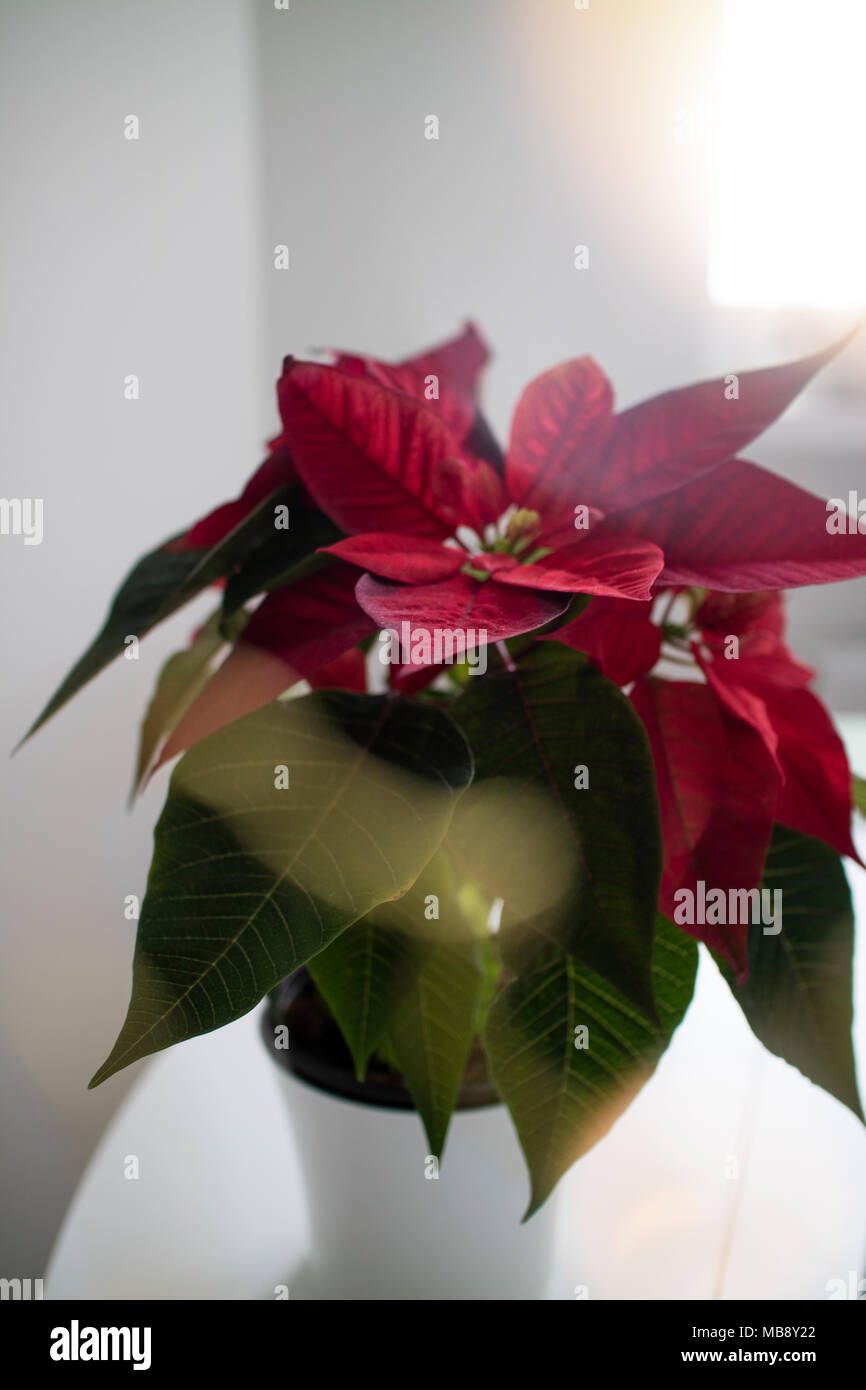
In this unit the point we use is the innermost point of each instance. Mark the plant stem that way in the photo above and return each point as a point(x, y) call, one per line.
point(506, 656)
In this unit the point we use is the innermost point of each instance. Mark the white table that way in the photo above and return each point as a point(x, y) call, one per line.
point(218, 1209)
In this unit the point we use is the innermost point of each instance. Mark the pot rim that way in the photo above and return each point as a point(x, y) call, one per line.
point(308, 1065)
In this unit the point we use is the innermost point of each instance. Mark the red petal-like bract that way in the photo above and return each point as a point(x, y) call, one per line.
point(816, 796)
point(458, 362)
point(458, 604)
point(765, 685)
point(617, 636)
point(676, 437)
point(741, 528)
point(446, 377)
point(309, 624)
point(411, 560)
point(758, 622)
point(614, 568)
point(717, 788)
point(742, 703)
point(471, 491)
point(558, 434)
point(367, 455)
point(346, 672)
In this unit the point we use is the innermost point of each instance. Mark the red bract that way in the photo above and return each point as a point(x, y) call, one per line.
point(617, 636)
point(763, 685)
point(750, 747)
point(453, 536)
point(365, 452)
point(446, 376)
point(667, 470)
point(718, 787)
point(740, 528)
point(404, 480)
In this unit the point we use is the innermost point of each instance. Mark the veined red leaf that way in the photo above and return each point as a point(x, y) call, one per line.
point(718, 788)
point(414, 561)
point(617, 569)
point(676, 437)
point(489, 609)
point(758, 622)
point(741, 528)
point(446, 377)
point(815, 797)
point(346, 672)
point(364, 452)
point(617, 636)
point(558, 434)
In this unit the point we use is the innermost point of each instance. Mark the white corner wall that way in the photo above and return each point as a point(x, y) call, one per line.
point(119, 257)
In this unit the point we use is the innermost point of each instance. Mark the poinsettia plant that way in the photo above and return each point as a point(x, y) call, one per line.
point(490, 741)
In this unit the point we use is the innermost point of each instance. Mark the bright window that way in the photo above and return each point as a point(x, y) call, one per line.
point(789, 195)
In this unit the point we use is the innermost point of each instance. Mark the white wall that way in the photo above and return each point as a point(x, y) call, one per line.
point(118, 257)
point(556, 128)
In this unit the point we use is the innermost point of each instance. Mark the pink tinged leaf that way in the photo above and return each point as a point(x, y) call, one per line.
point(676, 437)
point(277, 471)
point(364, 452)
point(458, 604)
point(292, 634)
point(560, 427)
point(414, 561)
point(608, 566)
point(247, 679)
point(741, 528)
point(718, 790)
point(617, 636)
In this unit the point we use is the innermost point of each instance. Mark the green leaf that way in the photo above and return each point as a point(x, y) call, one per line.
point(563, 1097)
point(406, 981)
point(585, 875)
point(858, 793)
point(797, 998)
point(361, 975)
point(431, 1029)
point(160, 584)
point(179, 682)
point(251, 877)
